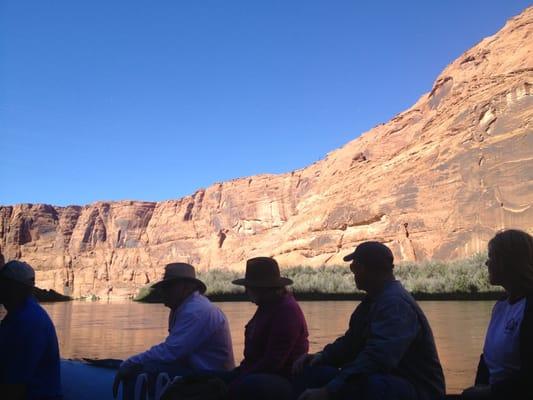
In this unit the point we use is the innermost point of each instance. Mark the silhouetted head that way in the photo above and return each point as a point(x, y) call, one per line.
point(510, 260)
point(17, 280)
point(372, 264)
point(174, 293)
point(263, 281)
point(179, 282)
point(265, 295)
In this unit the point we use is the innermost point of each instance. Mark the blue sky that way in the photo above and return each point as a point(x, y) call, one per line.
point(151, 100)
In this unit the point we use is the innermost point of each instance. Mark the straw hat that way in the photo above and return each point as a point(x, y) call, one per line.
point(179, 271)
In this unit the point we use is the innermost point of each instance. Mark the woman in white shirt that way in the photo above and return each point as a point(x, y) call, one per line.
point(505, 369)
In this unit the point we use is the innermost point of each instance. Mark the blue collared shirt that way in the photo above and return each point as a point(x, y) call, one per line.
point(29, 353)
point(199, 338)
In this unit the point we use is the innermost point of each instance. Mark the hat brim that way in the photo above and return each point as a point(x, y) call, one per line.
point(165, 282)
point(349, 257)
point(281, 282)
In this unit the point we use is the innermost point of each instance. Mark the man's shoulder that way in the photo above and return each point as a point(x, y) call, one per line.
point(30, 310)
point(32, 314)
point(40, 316)
point(201, 301)
point(395, 290)
point(396, 296)
point(200, 306)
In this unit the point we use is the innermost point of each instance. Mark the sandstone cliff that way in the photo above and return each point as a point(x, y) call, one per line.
point(434, 182)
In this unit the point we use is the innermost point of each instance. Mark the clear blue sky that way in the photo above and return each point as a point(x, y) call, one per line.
point(151, 100)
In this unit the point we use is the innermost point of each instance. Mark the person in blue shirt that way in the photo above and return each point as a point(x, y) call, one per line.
point(505, 369)
point(29, 352)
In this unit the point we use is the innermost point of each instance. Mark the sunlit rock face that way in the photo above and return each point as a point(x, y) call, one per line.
point(434, 182)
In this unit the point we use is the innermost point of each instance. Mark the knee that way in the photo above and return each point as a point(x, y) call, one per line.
point(317, 376)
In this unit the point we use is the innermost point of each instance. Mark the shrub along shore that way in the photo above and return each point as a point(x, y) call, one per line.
point(465, 279)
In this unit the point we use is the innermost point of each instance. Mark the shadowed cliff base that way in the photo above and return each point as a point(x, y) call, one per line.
point(50, 295)
point(432, 280)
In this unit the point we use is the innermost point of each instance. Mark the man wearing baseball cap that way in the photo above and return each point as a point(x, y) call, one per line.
point(388, 351)
point(29, 353)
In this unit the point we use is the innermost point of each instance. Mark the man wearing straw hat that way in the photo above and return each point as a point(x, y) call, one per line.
point(199, 336)
point(29, 352)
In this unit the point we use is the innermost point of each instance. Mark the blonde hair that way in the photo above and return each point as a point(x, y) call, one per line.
point(513, 251)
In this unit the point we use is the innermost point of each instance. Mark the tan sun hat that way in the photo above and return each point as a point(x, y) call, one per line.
point(179, 271)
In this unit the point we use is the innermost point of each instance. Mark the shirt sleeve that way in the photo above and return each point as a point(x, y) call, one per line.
point(341, 350)
point(346, 347)
point(190, 330)
point(393, 328)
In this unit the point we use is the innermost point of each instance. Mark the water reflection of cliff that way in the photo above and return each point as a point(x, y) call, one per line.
point(117, 330)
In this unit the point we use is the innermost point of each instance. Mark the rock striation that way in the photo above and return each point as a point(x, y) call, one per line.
point(436, 181)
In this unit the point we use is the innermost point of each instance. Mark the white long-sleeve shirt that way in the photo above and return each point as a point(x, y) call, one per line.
point(199, 338)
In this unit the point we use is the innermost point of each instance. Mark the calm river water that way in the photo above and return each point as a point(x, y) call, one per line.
point(117, 330)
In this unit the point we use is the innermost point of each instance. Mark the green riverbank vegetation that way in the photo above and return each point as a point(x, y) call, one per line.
point(458, 279)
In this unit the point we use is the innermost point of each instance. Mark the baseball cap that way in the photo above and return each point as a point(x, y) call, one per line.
point(18, 271)
point(372, 254)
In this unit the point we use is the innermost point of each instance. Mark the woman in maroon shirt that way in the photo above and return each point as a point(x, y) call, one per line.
point(275, 337)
